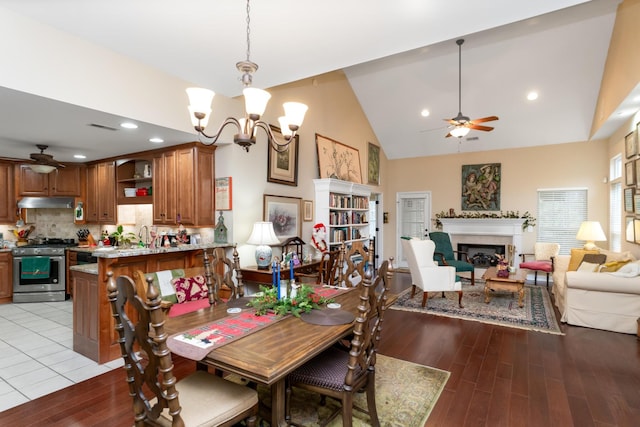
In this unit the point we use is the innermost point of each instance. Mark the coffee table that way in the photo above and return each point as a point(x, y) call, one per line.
point(513, 283)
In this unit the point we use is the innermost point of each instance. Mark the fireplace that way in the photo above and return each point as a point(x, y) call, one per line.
point(481, 255)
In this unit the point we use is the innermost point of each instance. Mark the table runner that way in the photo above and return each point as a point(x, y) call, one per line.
point(196, 343)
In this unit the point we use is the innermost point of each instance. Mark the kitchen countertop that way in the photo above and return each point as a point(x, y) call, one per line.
point(86, 268)
point(110, 252)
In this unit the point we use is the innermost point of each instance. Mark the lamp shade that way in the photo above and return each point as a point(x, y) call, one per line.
point(200, 102)
point(263, 235)
point(255, 100)
point(591, 231)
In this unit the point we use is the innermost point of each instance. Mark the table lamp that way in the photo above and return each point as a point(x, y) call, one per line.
point(591, 231)
point(263, 235)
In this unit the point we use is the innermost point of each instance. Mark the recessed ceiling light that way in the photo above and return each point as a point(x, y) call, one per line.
point(532, 96)
point(79, 156)
point(425, 113)
point(156, 140)
point(129, 125)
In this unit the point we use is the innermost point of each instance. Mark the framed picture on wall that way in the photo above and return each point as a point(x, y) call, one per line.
point(373, 164)
point(628, 199)
point(629, 229)
point(630, 173)
point(283, 165)
point(630, 145)
point(636, 203)
point(307, 210)
point(284, 213)
point(336, 160)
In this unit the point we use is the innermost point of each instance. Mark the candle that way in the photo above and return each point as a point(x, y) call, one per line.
point(278, 281)
point(291, 268)
point(273, 273)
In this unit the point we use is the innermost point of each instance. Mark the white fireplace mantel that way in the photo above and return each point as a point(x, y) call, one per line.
point(485, 229)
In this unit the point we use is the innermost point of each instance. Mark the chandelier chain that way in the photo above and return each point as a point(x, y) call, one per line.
point(248, 31)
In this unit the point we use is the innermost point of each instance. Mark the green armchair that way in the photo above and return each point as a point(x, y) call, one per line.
point(445, 255)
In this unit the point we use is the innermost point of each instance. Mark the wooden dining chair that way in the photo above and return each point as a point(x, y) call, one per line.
point(199, 399)
point(327, 273)
point(226, 277)
point(340, 374)
point(351, 264)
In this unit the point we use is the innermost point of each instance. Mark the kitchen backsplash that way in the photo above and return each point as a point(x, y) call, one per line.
point(58, 223)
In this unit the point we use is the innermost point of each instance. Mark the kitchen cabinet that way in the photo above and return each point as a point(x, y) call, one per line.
point(6, 277)
point(133, 173)
point(101, 193)
point(164, 188)
point(61, 182)
point(7, 198)
point(184, 187)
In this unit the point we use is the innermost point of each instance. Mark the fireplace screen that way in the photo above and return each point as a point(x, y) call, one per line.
point(481, 255)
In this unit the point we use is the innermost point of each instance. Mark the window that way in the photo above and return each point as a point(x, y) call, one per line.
point(560, 213)
point(615, 204)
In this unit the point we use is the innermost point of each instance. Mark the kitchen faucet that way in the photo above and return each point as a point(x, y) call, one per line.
point(146, 235)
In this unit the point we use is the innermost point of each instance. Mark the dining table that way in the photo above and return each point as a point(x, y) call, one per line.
point(267, 355)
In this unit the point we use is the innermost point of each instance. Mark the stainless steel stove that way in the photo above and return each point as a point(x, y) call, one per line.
point(39, 271)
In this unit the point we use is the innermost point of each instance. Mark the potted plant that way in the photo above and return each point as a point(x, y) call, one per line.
point(123, 238)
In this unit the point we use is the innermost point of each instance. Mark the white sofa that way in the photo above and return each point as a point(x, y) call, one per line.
point(597, 300)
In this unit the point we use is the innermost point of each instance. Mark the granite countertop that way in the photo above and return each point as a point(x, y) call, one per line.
point(110, 252)
point(86, 268)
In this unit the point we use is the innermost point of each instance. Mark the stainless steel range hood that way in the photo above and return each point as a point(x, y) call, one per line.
point(46, 202)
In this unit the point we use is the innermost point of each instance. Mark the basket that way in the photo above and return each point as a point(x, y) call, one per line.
point(130, 192)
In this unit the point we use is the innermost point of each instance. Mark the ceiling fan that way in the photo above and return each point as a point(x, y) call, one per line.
point(462, 124)
point(43, 163)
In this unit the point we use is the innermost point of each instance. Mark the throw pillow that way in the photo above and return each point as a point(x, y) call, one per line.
point(190, 288)
point(631, 269)
point(162, 282)
point(610, 267)
point(576, 257)
point(617, 256)
point(589, 267)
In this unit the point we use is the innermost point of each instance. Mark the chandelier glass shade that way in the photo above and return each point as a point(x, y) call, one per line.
point(256, 100)
point(460, 131)
point(42, 168)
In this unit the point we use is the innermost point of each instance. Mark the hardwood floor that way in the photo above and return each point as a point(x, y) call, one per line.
point(499, 377)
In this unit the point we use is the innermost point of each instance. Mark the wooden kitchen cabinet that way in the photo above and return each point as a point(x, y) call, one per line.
point(61, 182)
point(184, 187)
point(6, 277)
point(7, 198)
point(164, 188)
point(101, 193)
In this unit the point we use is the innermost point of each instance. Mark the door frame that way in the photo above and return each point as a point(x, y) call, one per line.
point(400, 260)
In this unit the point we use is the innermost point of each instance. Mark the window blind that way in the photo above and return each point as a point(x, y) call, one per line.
point(560, 213)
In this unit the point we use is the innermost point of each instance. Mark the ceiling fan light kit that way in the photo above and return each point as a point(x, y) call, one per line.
point(43, 163)
point(462, 124)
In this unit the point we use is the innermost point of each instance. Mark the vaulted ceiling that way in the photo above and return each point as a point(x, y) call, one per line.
point(400, 58)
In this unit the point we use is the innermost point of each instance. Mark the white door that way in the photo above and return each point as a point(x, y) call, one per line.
point(414, 218)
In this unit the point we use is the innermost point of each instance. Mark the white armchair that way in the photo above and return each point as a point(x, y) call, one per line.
point(426, 274)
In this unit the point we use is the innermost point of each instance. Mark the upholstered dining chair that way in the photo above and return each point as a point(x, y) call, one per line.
point(544, 255)
point(340, 374)
point(199, 399)
point(426, 274)
point(445, 255)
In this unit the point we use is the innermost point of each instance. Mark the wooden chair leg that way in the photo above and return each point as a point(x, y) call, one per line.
point(473, 277)
point(460, 299)
point(535, 278)
point(425, 297)
point(413, 291)
point(547, 281)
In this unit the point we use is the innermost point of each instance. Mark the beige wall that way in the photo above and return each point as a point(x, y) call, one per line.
point(524, 172)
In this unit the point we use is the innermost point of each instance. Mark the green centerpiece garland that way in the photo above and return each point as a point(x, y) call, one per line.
point(304, 301)
point(529, 220)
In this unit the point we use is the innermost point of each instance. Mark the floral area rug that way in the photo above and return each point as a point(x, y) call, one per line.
point(536, 315)
point(405, 395)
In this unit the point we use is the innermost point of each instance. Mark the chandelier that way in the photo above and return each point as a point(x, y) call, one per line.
point(255, 103)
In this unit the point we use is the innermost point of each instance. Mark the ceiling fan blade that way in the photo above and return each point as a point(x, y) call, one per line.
point(485, 119)
point(480, 127)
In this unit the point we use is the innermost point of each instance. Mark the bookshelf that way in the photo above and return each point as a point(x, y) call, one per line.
point(343, 207)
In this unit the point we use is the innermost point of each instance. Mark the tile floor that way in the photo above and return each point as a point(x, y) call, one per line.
point(36, 352)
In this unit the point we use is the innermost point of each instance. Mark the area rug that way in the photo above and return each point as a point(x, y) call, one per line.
point(536, 315)
point(405, 395)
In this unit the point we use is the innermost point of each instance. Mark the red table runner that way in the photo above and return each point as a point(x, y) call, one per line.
point(196, 343)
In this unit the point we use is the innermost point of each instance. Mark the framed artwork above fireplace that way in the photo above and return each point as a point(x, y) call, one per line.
point(481, 187)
